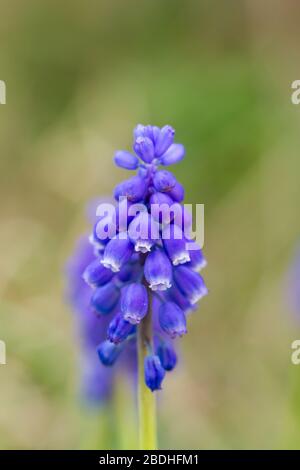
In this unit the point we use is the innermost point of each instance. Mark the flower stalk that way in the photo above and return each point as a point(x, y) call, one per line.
point(146, 399)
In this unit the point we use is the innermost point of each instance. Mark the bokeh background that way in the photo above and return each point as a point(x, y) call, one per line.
point(79, 76)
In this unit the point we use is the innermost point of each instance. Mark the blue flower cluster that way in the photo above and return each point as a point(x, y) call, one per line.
point(143, 250)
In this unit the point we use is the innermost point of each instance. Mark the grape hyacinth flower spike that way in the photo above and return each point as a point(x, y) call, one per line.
point(145, 277)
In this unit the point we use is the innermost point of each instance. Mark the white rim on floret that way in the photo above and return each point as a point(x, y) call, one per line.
point(181, 258)
point(143, 246)
point(160, 284)
point(111, 264)
point(197, 296)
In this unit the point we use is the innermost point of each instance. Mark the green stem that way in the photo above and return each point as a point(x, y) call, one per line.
point(146, 398)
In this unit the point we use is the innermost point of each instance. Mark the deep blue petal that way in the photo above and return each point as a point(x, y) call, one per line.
point(175, 244)
point(117, 252)
point(164, 181)
point(119, 329)
point(167, 355)
point(134, 302)
point(154, 372)
point(172, 319)
point(108, 353)
point(96, 274)
point(164, 140)
point(133, 189)
point(190, 283)
point(158, 270)
point(105, 298)
point(126, 160)
point(173, 155)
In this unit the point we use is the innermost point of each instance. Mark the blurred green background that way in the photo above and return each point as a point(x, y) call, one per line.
point(80, 75)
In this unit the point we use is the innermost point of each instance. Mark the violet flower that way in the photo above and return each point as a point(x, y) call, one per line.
point(145, 268)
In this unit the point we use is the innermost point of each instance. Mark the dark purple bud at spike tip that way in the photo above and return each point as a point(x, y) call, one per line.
point(152, 132)
point(144, 148)
point(126, 160)
point(172, 319)
point(139, 131)
point(173, 155)
point(154, 372)
point(164, 140)
point(134, 302)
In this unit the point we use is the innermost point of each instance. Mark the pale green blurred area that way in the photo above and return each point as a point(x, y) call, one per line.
point(79, 76)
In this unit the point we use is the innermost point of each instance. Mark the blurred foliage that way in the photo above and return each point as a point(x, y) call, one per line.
point(79, 76)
